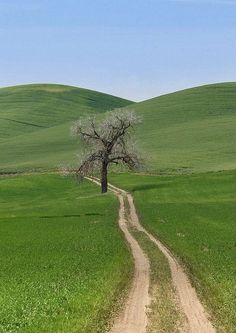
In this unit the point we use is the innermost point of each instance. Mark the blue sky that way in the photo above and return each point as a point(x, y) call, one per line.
point(132, 48)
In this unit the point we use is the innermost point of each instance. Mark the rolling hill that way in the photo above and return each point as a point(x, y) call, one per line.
point(187, 131)
point(35, 121)
point(28, 108)
point(190, 130)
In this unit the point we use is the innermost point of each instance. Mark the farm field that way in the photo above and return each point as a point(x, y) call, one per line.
point(35, 123)
point(188, 131)
point(193, 215)
point(117, 166)
point(192, 130)
point(72, 265)
point(29, 108)
point(63, 259)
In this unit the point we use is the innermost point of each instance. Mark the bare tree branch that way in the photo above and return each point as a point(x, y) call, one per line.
point(107, 142)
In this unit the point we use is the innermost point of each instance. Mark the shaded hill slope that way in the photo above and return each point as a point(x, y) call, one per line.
point(188, 131)
point(191, 130)
point(28, 108)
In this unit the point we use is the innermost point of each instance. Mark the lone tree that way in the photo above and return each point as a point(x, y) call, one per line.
point(107, 142)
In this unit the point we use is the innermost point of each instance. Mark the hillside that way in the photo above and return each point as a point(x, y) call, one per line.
point(187, 131)
point(28, 108)
point(191, 130)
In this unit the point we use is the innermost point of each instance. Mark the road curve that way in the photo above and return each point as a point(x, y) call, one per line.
point(133, 318)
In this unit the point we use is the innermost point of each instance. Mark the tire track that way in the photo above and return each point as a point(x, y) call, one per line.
point(134, 319)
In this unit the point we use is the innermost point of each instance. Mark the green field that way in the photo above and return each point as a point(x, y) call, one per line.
point(35, 123)
point(63, 259)
point(190, 130)
point(194, 216)
point(187, 131)
point(29, 108)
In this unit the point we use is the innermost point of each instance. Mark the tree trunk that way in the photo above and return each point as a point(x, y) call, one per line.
point(104, 177)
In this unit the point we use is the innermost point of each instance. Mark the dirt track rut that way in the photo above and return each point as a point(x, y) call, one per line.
point(133, 318)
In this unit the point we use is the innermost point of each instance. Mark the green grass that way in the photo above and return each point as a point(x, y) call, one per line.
point(163, 315)
point(191, 131)
point(29, 108)
point(64, 263)
point(44, 149)
point(194, 216)
point(188, 131)
point(35, 123)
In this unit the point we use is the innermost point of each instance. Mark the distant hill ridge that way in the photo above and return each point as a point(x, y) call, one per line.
point(192, 130)
point(26, 107)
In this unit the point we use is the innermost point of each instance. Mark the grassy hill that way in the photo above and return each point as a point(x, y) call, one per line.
point(190, 130)
point(28, 108)
point(35, 122)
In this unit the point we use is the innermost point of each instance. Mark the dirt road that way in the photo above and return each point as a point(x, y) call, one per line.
point(133, 318)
